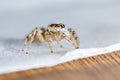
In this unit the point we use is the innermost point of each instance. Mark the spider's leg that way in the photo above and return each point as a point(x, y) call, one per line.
point(74, 37)
point(76, 40)
point(29, 45)
point(29, 48)
point(24, 45)
point(59, 44)
point(69, 40)
point(31, 38)
point(47, 37)
point(49, 44)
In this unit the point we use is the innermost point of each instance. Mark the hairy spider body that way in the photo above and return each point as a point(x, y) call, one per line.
point(54, 32)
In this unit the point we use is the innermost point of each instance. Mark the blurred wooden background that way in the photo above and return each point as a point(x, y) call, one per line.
point(101, 67)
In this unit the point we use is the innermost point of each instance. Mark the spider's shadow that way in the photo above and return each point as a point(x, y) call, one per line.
point(15, 45)
point(11, 44)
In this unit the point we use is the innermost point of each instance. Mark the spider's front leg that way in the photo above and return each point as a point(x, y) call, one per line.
point(74, 37)
point(73, 43)
point(70, 41)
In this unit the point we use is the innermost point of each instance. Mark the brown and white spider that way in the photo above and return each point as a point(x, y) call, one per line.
point(54, 32)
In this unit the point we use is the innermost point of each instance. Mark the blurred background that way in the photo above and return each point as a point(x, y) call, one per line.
point(97, 22)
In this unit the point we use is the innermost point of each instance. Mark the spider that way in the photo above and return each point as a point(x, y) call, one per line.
point(54, 32)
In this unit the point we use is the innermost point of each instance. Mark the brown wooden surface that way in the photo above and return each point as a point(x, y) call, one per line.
point(102, 67)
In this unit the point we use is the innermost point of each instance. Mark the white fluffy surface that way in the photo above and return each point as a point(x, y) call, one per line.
point(12, 59)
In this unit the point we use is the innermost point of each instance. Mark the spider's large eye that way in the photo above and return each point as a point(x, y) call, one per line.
point(62, 25)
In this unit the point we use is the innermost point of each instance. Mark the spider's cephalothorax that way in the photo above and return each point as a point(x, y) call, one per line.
point(49, 35)
point(56, 27)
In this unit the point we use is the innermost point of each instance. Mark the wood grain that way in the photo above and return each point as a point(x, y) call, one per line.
point(101, 67)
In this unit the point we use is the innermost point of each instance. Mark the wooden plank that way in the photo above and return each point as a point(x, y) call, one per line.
point(101, 67)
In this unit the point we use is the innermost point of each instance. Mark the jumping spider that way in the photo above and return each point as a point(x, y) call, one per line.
point(54, 32)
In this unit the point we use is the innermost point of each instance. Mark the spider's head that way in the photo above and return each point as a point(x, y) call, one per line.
point(62, 25)
point(56, 27)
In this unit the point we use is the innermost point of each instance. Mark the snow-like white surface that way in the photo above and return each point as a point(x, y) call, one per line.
point(12, 59)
